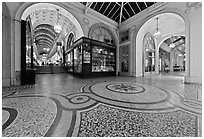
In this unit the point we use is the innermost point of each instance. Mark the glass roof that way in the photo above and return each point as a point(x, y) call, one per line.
point(118, 11)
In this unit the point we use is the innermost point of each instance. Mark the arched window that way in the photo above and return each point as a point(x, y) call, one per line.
point(102, 34)
point(149, 53)
point(70, 40)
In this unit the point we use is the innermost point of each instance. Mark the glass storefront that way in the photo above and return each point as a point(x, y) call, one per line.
point(91, 57)
point(78, 59)
point(103, 59)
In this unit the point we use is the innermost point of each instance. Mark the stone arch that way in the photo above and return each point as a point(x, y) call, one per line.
point(68, 39)
point(95, 26)
point(20, 14)
point(159, 45)
point(17, 31)
point(187, 35)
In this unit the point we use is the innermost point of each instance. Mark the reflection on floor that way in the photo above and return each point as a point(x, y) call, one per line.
point(174, 73)
point(61, 105)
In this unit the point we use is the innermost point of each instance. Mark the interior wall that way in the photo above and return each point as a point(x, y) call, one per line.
point(192, 16)
point(6, 46)
point(195, 18)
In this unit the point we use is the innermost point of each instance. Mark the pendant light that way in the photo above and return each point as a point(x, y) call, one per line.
point(157, 33)
point(57, 27)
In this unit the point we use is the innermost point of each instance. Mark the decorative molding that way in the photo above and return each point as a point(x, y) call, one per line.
point(107, 27)
point(117, 32)
point(86, 21)
point(133, 28)
point(190, 5)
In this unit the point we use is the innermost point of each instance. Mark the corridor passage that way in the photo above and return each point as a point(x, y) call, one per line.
point(61, 105)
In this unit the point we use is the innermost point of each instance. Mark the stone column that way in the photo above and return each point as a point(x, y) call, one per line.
point(17, 51)
point(6, 51)
point(117, 53)
point(171, 64)
point(132, 52)
point(156, 56)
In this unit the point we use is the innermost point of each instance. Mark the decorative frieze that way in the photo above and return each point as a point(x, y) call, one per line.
point(86, 21)
point(191, 5)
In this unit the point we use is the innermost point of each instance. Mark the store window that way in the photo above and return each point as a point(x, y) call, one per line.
point(78, 59)
point(103, 59)
point(149, 53)
point(69, 62)
point(87, 53)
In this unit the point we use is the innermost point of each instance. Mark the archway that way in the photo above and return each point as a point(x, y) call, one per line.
point(172, 56)
point(102, 32)
point(37, 13)
point(176, 26)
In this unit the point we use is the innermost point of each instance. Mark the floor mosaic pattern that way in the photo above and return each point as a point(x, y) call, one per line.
point(153, 106)
point(127, 88)
point(112, 122)
point(129, 92)
point(34, 118)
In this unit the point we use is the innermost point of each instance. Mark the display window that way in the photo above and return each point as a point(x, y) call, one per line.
point(103, 59)
point(87, 53)
point(69, 62)
point(78, 59)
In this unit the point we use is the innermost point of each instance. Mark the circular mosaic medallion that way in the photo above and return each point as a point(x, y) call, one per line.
point(129, 92)
point(79, 99)
point(127, 88)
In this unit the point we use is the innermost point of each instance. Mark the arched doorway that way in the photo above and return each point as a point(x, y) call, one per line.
point(69, 57)
point(172, 56)
point(149, 54)
point(47, 44)
point(170, 24)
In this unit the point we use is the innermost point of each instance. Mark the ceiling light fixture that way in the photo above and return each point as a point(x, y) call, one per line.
point(172, 45)
point(57, 27)
point(157, 33)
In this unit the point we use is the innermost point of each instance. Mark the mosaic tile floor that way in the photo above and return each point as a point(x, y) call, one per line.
point(62, 105)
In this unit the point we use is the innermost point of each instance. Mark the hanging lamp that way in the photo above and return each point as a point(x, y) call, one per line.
point(157, 33)
point(57, 27)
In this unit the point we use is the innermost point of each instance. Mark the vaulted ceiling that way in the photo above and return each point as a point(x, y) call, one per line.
point(43, 21)
point(118, 11)
point(178, 42)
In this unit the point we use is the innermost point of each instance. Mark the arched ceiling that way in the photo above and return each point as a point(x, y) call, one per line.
point(43, 21)
point(43, 17)
point(169, 24)
point(178, 42)
point(49, 16)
